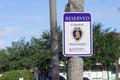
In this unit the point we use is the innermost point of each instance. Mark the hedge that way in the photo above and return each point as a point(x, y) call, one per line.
point(16, 74)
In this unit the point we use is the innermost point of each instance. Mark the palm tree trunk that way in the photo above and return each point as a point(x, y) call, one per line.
point(54, 41)
point(75, 64)
point(117, 69)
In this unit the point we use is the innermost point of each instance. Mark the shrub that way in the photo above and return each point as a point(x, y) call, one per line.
point(16, 74)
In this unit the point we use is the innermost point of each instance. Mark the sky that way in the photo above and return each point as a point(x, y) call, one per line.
point(27, 18)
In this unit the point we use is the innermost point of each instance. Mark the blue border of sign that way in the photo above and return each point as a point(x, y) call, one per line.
point(63, 33)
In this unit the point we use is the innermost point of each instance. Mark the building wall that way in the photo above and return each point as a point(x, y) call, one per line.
point(100, 75)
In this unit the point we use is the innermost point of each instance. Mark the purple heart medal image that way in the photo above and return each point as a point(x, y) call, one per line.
point(77, 34)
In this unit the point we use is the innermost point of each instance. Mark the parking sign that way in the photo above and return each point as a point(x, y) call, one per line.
point(77, 34)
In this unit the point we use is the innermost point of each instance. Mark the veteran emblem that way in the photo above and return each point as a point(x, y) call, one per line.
point(77, 33)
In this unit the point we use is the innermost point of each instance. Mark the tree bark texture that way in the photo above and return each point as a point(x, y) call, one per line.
point(75, 68)
point(54, 41)
point(75, 64)
point(117, 69)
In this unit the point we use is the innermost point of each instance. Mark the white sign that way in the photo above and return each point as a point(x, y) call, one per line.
point(77, 34)
point(21, 78)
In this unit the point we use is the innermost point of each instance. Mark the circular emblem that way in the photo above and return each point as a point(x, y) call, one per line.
point(77, 33)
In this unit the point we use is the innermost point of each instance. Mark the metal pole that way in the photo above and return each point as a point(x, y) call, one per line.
point(54, 41)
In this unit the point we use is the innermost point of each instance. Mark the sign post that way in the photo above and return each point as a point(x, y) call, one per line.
point(77, 34)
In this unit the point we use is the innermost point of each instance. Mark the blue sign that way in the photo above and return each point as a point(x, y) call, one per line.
point(77, 34)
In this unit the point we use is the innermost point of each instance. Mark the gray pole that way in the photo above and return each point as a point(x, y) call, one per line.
point(117, 69)
point(75, 64)
point(54, 41)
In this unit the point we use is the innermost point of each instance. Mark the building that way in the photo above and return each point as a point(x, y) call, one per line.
point(98, 74)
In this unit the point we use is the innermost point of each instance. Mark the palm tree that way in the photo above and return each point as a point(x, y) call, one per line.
point(75, 64)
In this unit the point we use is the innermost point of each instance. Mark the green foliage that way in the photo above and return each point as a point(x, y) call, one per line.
point(36, 52)
point(106, 45)
point(3, 61)
point(27, 55)
point(16, 74)
point(61, 56)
